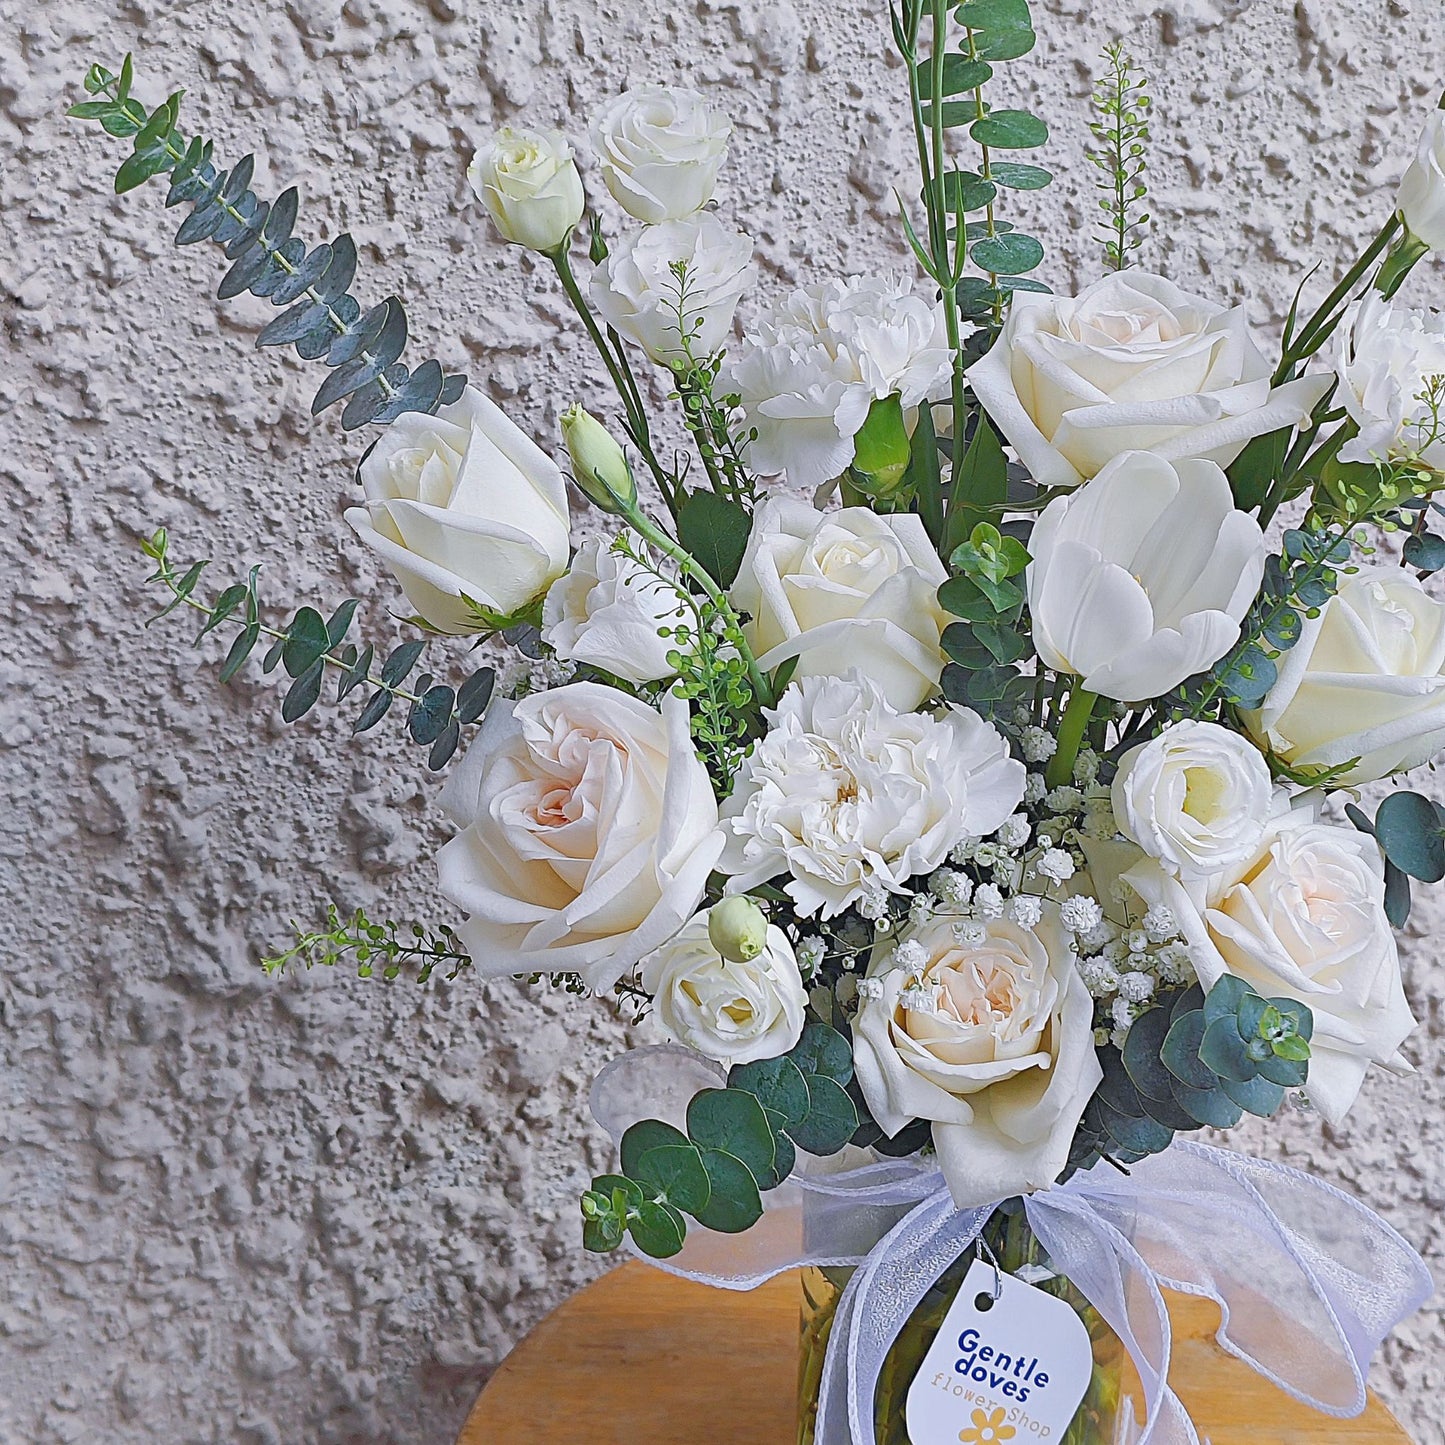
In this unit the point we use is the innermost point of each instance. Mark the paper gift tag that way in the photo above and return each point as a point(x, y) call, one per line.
point(1012, 1370)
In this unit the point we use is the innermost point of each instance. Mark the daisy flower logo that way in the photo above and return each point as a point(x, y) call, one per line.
point(987, 1429)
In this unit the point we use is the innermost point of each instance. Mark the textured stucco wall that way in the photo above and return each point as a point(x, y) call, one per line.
point(241, 1211)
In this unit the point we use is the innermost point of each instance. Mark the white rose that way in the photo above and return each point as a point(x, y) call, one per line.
point(1141, 578)
point(1385, 357)
point(1366, 680)
point(606, 611)
point(1130, 364)
point(637, 289)
point(849, 796)
point(660, 147)
point(528, 181)
point(844, 589)
point(809, 371)
point(463, 504)
point(1303, 918)
point(1421, 201)
point(1197, 797)
point(729, 1011)
point(588, 830)
point(994, 1044)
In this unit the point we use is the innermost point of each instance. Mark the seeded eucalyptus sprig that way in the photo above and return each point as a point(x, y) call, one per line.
point(386, 949)
point(323, 320)
point(309, 644)
point(1121, 100)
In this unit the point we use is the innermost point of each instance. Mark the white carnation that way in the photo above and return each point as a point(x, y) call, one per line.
point(851, 798)
point(809, 371)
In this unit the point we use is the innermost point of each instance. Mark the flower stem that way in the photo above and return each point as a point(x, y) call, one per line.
point(1072, 727)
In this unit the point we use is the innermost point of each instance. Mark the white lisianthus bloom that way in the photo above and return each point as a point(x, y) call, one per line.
point(1385, 357)
point(1366, 680)
point(849, 796)
point(1302, 918)
point(1421, 201)
point(588, 830)
point(844, 589)
point(660, 148)
point(1197, 798)
point(528, 181)
point(464, 504)
point(809, 371)
point(731, 1011)
point(606, 611)
point(994, 1044)
point(1142, 578)
point(1132, 363)
point(638, 290)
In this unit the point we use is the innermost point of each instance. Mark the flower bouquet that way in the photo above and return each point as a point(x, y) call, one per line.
point(944, 748)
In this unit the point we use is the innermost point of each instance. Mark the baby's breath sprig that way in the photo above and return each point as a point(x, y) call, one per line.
point(1122, 101)
point(384, 949)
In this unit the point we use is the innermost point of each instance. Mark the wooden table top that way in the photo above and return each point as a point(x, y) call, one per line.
point(643, 1358)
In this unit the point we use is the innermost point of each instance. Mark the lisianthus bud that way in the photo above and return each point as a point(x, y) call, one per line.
point(737, 928)
point(529, 182)
point(599, 464)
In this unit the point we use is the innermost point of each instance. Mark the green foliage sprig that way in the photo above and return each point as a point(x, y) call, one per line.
point(1121, 99)
point(323, 320)
point(1195, 1061)
point(740, 1141)
point(386, 949)
point(310, 644)
point(1410, 829)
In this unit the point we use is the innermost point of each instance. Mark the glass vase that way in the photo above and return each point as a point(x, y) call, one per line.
point(1106, 1416)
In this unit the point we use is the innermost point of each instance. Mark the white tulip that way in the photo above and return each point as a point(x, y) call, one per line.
point(850, 797)
point(731, 1011)
point(638, 290)
point(844, 589)
point(808, 372)
point(1141, 578)
point(1197, 798)
point(588, 828)
point(1366, 680)
point(1303, 918)
point(1421, 200)
point(462, 505)
point(660, 148)
point(1385, 359)
point(528, 181)
point(606, 611)
point(1132, 363)
point(993, 1042)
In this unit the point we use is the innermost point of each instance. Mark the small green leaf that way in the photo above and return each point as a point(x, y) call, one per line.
point(430, 717)
point(658, 1230)
point(823, 1050)
point(831, 1119)
point(1008, 255)
point(733, 1121)
point(445, 745)
point(965, 191)
point(644, 1135)
point(306, 640)
point(1408, 827)
point(994, 15)
point(241, 647)
point(138, 168)
point(1010, 130)
point(303, 694)
point(961, 73)
point(734, 1204)
point(400, 663)
point(1294, 1048)
point(953, 114)
point(715, 532)
point(475, 693)
point(1019, 177)
point(356, 674)
point(91, 109)
point(778, 1086)
point(227, 603)
point(377, 706)
point(1225, 1052)
point(675, 1174)
point(1180, 1052)
point(339, 623)
point(602, 1232)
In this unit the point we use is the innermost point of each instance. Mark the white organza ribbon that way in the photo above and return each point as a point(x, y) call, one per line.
point(1309, 1281)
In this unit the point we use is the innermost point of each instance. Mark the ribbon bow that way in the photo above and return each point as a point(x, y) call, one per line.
point(1308, 1280)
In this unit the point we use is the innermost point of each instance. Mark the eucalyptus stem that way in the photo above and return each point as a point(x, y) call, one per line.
point(1072, 727)
point(985, 171)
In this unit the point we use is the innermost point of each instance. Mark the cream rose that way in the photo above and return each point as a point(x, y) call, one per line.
point(1366, 680)
point(1303, 918)
point(1142, 578)
point(1132, 363)
point(993, 1043)
point(1421, 201)
point(528, 181)
point(463, 504)
point(638, 291)
point(851, 797)
point(730, 1011)
point(1385, 357)
point(1197, 797)
point(660, 148)
point(844, 589)
point(607, 611)
point(588, 830)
